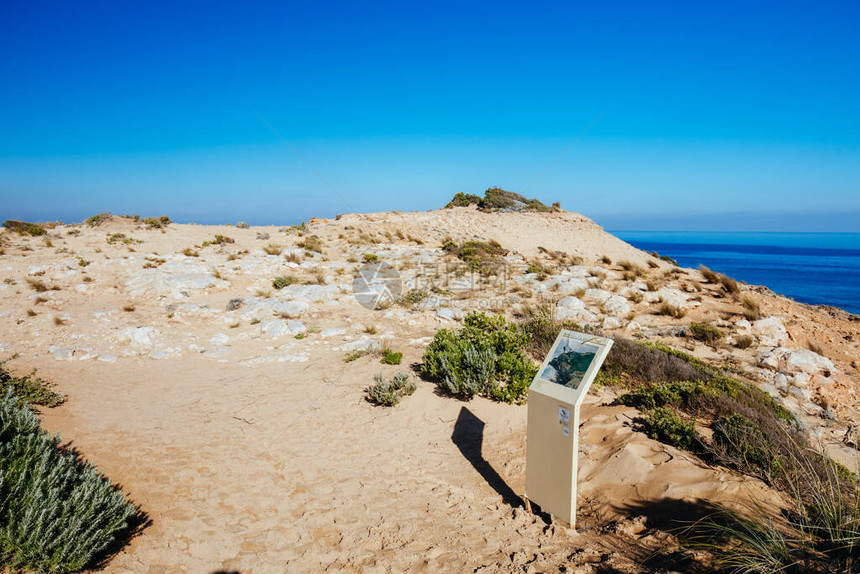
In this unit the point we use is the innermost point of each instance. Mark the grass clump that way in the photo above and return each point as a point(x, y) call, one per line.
point(25, 228)
point(370, 258)
point(59, 514)
point(744, 341)
point(671, 310)
point(486, 357)
point(389, 392)
point(482, 257)
point(283, 281)
point(272, 249)
point(218, 240)
point(752, 310)
point(705, 332)
point(390, 357)
point(312, 243)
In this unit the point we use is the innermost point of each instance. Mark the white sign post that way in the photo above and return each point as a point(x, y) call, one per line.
point(552, 452)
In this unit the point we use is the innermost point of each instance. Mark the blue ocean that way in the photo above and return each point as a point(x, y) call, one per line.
point(816, 268)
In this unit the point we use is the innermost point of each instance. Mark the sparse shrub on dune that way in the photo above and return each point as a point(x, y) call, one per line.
point(98, 219)
point(486, 357)
point(743, 341)
point(242, 225)
point(413, 297)
point(389, 392)
point(25, 228)
point(708, 275)
point(58, 513)
point(482, 257)
point(496, 199)
point(272, 249)
point(156, 222)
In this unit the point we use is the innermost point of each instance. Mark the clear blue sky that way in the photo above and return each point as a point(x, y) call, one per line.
point(714, 115)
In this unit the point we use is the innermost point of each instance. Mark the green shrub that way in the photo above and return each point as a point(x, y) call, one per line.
point(370, 258)
point(156, 222)
point(669, 427)
point(57, 514)
point(743, 444)
point(389, 392)
point(29, 389)
point(390, 357)
point(482, 257)
point(486, 357)
point(98, 219)
point(705, 332)
point(312, 243)
point(283, 281)
point(543, 330)
point(413, 297)
point(25, 228)
point(461, 199)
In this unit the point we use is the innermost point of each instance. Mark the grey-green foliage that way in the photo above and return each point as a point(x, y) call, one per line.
point(468, 371)
point(389, 392)
point(56, 513)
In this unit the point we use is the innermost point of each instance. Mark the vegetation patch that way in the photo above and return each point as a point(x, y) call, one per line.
point(667, 426)
point(283, 281)
point(486, 357)
point(218, 240)
point(25, 228)
point(30, 389)
point(496, 199)
point(58, 513)
point(156, 222)
point(705, 332)
point(389, 392)
point(390, 357)
point(484, 258)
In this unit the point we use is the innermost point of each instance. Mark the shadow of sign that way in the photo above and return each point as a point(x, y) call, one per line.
point(468, 435)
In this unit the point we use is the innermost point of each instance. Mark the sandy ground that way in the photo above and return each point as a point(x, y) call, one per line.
point(258, 453)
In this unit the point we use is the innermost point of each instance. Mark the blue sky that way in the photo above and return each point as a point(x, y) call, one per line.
point(723, 116)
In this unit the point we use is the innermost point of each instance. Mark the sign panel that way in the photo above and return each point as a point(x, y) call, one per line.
point(553, 420)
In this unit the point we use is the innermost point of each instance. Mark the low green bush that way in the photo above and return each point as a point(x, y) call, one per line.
point(742, 443)
point(25, 228)
point(57, 514)
point(389, 392)
point(486, 357)
point(390, 357)
point(283, 281)
point(666, 425)
point(482, 257)
point(705, 332)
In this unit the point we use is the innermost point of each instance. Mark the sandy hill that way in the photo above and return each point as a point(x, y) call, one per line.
point(225, 408)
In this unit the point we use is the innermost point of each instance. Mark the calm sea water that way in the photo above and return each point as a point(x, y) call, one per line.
point(817, 268)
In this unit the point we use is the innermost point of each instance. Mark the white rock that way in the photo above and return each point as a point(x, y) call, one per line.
point(597, 295)
point(61, 353)
point(808, 362)
point(744, 326)
point(675, 298)
point(142, 336)
point(296, 327)
point(333, 332)
point(216, 352)
point(219, 339)
point(611, 323)
point(360, 345)
point(802, 394)
point(107, 358)
point(290, 308)
point(570, 303)
point(617, 306)
point(770, 332)
point(576, 315)
point(445, 313)
point(274, 327)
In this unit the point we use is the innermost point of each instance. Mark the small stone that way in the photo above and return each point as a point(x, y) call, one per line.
point(61, 353)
